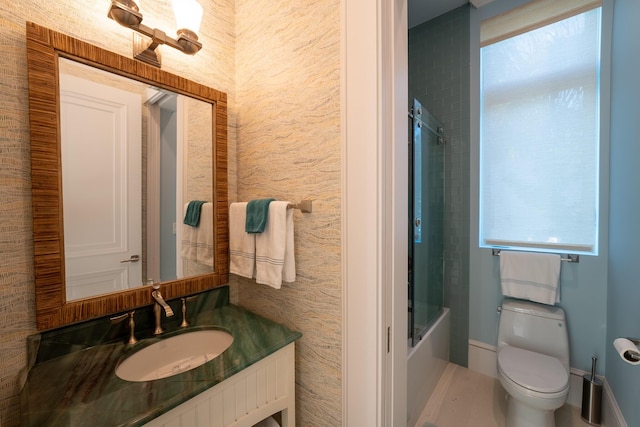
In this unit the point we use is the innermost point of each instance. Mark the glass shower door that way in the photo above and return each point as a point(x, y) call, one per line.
point(426, 221)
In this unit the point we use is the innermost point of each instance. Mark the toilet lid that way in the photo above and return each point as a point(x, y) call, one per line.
point(535, 371)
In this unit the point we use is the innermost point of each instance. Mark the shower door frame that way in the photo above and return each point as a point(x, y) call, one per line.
point(421, 221)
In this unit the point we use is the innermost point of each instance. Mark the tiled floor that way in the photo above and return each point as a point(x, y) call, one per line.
point(465, 398)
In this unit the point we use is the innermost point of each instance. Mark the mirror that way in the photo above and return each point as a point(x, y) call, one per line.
point(107, 191)
point(133, 156)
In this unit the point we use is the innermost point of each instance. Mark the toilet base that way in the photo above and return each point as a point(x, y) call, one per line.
point(521, 415)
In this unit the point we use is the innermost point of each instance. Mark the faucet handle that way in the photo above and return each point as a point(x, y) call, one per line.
point(185, 323)
point(132, 328)
point(119, 318)
point(132, 324)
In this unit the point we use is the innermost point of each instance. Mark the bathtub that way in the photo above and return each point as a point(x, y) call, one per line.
point(425, 364)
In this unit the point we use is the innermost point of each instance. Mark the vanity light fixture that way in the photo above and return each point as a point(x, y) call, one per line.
point(188, 16)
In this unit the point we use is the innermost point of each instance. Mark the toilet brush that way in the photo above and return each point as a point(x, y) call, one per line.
point(591, 396)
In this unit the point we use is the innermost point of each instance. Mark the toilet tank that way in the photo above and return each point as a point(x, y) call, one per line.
point(534, 327)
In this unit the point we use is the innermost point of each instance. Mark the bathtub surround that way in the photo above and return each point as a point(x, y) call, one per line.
point(427, 362)
point(83, 357)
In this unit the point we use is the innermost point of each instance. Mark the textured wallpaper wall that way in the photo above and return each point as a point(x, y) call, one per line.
point(213, 66)
point(288, 84)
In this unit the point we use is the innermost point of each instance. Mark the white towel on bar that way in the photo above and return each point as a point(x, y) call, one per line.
point(189, 247)
point(531, 276)
point(242, 245)
point(275, 261)
point(197, 242)
point(204, 235)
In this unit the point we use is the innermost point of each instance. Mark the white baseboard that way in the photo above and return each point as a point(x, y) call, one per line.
point(611, 413)
point(482, 359)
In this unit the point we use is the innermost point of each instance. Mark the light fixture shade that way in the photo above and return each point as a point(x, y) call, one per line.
point(125, 12)
point(188, 14)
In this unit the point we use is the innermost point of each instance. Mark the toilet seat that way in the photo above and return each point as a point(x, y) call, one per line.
point(534, 371)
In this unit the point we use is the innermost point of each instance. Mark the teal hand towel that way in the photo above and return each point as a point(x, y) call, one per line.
point(192, 217)
point(257, 213)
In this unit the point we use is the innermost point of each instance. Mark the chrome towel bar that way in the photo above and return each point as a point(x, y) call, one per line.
point(567, 258)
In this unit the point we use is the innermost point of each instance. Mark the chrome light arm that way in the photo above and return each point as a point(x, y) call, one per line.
point(127, 14)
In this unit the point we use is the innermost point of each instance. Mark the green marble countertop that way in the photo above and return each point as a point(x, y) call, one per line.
point(81, 388)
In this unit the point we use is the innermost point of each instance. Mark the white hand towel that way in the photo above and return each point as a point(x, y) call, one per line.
point(532, 276)
point(197, 242)
point(204, 236)
point(275, 260)
point(242, 245)
point(189, 246)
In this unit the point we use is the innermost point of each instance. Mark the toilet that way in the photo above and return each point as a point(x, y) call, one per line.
point(533, 361)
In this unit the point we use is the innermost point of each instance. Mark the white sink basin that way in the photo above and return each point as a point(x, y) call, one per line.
point(174, 355)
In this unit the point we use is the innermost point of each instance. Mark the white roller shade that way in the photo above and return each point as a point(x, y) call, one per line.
point(540, 137)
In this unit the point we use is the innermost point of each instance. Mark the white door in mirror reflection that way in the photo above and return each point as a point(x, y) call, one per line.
point(101, 186)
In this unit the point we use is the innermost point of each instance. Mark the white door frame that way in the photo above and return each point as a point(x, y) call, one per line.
point(182, 154)
point(374, 213)
point(153, 190)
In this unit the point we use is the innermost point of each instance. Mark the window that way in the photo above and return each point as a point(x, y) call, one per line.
point(539, 137)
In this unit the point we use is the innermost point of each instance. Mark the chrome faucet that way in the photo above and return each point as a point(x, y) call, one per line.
point(157, 308)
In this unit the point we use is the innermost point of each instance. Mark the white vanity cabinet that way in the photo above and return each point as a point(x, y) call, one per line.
point(243, 400)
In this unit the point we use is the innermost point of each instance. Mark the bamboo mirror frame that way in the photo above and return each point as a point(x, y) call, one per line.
point(44, 47)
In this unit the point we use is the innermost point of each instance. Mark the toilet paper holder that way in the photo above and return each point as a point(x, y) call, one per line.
point(631, 355)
